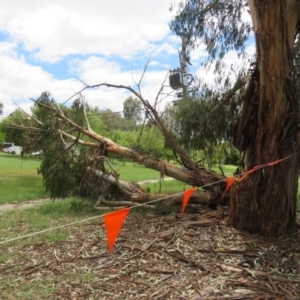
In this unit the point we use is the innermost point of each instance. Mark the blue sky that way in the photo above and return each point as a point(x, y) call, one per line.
point(47, 45)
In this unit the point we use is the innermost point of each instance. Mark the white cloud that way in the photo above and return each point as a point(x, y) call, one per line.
point(57, 28)
point(95, 70)
point(20, 81)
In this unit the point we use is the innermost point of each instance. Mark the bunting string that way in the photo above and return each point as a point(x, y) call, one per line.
point(114, 220)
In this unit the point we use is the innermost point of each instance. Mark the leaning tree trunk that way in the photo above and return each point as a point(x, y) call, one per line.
point(265, 201)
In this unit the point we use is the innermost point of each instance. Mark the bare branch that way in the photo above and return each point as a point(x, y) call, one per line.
point(205, 10)
point(143, 74)
point(84, 112)
point(31, 117)
point(24, 127)
point(159, 92)
point(208, 8)
point(229, 94)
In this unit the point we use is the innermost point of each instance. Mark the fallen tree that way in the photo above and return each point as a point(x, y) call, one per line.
point(58, 128)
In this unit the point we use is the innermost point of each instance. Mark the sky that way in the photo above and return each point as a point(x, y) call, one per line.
point(57, 46)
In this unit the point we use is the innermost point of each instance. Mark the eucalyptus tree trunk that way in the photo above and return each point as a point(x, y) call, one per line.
point(265, 201)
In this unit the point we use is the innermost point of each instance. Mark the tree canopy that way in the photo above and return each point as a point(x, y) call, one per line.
point(221, 25)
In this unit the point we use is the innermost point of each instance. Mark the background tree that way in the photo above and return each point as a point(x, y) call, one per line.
point(193, 123)
point(112, 120)
point(264, 201)
point(132, 112)
point(2, 134)
point(11, 133)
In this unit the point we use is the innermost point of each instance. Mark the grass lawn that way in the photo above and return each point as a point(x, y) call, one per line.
point(41, 217)
point(19, 180)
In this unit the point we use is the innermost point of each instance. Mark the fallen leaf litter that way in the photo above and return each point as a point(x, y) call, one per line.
point(194, 256)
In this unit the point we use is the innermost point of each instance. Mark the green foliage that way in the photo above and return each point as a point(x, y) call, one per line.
point(217, 24)
point(2, 135)
point(192, 122)
point(196, 128)
point(233, 158)
point(132, 111)
point(124, 138)
point(112, 120)
point(144, 139)
point(152, 141)
point(65, 174)
point(64, 165)
point(11, 133)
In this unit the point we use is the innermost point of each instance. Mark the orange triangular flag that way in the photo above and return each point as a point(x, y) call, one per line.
point(113, 223)
point(186, 197)
point(230, 181)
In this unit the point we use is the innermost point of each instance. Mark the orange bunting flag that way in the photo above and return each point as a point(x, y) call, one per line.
point(230, 181)
point(113, 223)
point(186, 197)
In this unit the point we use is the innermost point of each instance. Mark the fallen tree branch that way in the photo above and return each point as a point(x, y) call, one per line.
point(138, 195)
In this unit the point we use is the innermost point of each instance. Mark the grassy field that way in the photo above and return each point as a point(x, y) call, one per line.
point(19, 180)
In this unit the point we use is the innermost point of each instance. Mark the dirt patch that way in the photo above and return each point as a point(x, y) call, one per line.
point(156, 257)
point(22, 205)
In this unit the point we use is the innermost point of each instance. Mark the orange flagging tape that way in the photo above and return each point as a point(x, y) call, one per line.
point(230, 181)
point(280, 160)
point(113, 223)
point(265, 165)
point(186, 197)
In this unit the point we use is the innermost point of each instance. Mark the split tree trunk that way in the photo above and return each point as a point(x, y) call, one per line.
point(265, 201)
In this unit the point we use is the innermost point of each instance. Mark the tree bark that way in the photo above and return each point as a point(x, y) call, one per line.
point(265, 201)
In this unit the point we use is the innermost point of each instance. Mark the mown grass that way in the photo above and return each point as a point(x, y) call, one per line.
point(19, 188)
point(40, 217)
point(19, 180)
point(12, 164)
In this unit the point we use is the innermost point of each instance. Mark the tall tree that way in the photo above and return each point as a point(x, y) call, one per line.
point(112, 120)
point(132, 111)
point(190, 119)
point(11, 133)
point(265, 201)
